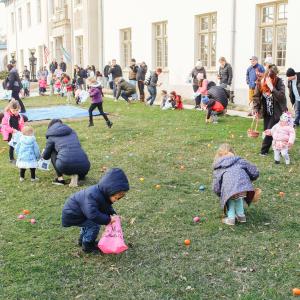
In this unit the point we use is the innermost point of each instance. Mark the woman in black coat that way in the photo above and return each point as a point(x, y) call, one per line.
point(13, 83)
point(67, 156)
point(269, 102)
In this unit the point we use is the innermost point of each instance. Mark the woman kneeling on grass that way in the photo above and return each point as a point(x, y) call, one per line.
point(67, 156)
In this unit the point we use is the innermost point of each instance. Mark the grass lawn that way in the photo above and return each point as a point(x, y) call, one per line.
point(257, 260)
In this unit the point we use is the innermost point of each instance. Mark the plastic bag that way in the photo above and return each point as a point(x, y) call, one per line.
point(7, 95)
point(83, 96)
point(15, 139)
point(112, 241)
point(44, 164)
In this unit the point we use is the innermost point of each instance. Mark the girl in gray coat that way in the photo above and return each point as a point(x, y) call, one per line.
point(232, 182)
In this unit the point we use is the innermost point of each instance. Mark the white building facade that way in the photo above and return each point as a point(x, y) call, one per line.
point(168, 34)
point(175, 34)
point(72, 26)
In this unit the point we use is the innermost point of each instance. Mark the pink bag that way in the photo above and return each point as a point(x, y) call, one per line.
point(112, 241)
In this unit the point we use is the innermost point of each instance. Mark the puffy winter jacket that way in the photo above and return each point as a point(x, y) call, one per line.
point(27, 149)
point(141, 73)
point(6, 128)
point(94, 202)
point(225, 74)
point(71, 159)
point(218, 93)
point(233, 175)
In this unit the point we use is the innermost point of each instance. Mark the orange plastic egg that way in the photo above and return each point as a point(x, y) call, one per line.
point(26, 212)
point(187, 242)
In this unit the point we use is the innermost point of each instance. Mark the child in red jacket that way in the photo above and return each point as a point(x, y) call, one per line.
point(177, 100)
point(12, 123)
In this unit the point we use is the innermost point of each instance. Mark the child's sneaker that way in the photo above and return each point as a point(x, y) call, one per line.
point(228, 221)
point(12, 161)
point(58, 182)
point(287, 161)
point(241, 219)
point(277, 162)
point(34, 179)
point(22, 179)
point(109, 124)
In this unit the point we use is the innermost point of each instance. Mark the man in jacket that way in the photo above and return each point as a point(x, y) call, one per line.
point(140, 77)
point(63, 65)
point(116, 72)
point(251, 76)
point(294, 90)
point(151, 82)
point(53, 66)
point(106, 74)
point(124, 89)
point(132, 75)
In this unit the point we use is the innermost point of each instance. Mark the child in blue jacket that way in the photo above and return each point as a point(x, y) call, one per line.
point(92, 207)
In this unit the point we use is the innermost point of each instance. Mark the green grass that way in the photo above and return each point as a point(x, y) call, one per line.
point(257, 260)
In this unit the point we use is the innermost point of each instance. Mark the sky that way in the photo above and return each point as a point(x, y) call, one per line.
point(2, 19)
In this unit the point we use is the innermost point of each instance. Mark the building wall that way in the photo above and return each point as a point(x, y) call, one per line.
point(3, 58)
point(30, 37)
point(180, 16)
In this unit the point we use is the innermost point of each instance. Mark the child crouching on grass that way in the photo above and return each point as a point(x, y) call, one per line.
point(28, 153)
point(232, 182)
point(92, 207)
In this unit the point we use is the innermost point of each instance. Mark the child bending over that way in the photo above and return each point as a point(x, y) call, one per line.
point(92, 207)
point(232, 182)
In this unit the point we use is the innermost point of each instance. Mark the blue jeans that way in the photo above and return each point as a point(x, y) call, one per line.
point(114, 89)
point(89, 231)
point(134, 96)
point(152, 91)
point(297, 112)
point(125, 96)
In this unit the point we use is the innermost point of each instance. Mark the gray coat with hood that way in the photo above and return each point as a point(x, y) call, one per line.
point(233, 175)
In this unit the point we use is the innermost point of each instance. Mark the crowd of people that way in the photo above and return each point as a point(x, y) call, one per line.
point(232, 175)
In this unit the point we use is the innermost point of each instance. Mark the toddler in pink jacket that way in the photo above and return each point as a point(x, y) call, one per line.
point(284, 136)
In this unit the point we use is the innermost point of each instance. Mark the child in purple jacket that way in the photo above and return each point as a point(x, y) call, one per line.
point(96, 94)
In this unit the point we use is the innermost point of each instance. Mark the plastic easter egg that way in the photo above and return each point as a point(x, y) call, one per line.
point(32, 221)
point(187, 242)
point(21, 217)
point(196, 219)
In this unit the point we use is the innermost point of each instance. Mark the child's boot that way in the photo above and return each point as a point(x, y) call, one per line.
point(91, 124)
point(90, 247)
point(109, 124)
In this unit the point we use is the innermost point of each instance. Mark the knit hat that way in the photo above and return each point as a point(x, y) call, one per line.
point(205, 100)
point(284, 117)
point(290, 72)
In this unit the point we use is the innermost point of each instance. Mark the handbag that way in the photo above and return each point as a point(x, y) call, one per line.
point(112, 240)
point(44, 164)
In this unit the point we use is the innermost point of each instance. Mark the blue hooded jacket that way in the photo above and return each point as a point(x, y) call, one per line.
point(71, 158)
point(94, 202)
point(27, 149)
point(251, 75)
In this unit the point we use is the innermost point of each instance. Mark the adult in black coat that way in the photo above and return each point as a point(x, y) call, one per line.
point(116, 72)
point(140, 77)
point(294, 92)
point(14, 84)
point(269, 102)
point(63, 65)
point(64, 149)
point(92, 207)
point(218, 93)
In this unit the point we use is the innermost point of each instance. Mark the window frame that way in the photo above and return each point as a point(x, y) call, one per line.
point(124, 44)
point(275, 25)
point(210, 34)
point(162, 38)
point(39, 11)
point(20, 19)
point(28, 14)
